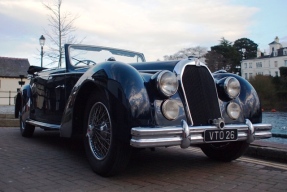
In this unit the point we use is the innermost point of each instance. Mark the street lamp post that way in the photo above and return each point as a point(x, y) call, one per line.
point(42, 42)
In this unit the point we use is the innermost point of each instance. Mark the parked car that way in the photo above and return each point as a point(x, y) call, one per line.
point(117, 101)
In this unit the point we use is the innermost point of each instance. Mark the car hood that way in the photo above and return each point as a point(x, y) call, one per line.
point(152, 67)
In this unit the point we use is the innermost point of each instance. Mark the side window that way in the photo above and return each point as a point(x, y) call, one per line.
point(275, 64)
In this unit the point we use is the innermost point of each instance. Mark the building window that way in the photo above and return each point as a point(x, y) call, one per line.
point(250, 65)
point(275, 53)
point(285, 63)
point(285, 52)
point(245, 65)
point(259, 73)
point(276, 73)
point(259, 65)
point(275, 64)
point(250, 75)
point(246, 77)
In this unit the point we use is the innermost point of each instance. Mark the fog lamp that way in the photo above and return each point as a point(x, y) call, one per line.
point(233, 110)
point(170, 109)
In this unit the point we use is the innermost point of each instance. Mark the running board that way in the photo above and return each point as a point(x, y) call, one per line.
point(44, 125)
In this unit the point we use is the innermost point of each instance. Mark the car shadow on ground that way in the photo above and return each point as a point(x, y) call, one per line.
point(159, 162)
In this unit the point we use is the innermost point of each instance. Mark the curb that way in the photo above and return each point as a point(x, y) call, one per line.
point(267, 150)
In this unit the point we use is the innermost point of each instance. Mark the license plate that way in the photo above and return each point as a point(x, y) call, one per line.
point(220, 135)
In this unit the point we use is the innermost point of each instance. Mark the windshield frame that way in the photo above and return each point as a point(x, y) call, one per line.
point(115, 51)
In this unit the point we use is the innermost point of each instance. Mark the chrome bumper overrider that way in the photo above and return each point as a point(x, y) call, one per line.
point(185, 135)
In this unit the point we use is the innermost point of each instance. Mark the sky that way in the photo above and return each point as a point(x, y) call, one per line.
point(153, 27)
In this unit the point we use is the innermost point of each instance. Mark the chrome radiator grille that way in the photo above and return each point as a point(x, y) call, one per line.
point(201, 95)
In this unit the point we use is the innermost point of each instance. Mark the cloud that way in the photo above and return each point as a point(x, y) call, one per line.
point(164, 24)
point(155, 27)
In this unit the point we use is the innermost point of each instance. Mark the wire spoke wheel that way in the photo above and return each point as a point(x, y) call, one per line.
point(99, 131)
point(106, 152)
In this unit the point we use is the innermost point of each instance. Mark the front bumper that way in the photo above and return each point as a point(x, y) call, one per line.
point(185, 135)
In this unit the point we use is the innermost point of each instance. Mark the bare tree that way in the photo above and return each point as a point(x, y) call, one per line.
point(187, 52)
point(60, 32)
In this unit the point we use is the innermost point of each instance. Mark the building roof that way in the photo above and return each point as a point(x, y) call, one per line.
point(276, 41)
point(13, 67)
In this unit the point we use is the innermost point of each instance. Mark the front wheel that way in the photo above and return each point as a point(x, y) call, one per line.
point(106, 153)
point(225, 151)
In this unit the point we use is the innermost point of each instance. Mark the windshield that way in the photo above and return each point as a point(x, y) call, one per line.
point(87, 55)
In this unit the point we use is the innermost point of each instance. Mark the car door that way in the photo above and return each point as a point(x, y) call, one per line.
point(49, 96)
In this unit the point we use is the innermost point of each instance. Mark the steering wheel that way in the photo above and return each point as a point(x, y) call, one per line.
point(86, 62)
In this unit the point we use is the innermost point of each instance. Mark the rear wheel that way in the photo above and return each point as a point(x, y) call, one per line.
point(225, 151)
point(26, 129)
point(106, 154)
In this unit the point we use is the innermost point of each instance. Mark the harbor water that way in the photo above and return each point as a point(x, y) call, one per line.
point(278, 120)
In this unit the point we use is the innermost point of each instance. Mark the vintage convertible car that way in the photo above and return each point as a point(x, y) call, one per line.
point(117, 101)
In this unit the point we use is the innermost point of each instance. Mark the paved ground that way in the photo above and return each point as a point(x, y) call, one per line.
point(6, 109)
point(47, 162)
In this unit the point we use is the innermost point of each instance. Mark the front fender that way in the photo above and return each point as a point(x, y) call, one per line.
point(248, 98)
point(125, 90)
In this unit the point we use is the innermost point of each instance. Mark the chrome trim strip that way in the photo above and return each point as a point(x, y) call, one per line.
point(149, 71)
point(41, 124)
point(170, 136)
point(61, 74)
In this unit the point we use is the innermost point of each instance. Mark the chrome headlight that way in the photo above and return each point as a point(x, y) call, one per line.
point(170, 109)
point(232, 87)
point(167, 83)
point(233, 110)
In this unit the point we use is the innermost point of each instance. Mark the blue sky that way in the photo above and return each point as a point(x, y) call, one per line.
point(154, 27)
point(268, 22)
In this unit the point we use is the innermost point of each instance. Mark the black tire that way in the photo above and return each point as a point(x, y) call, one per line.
point(106, 154)
point(26, 129)
point(225, 152)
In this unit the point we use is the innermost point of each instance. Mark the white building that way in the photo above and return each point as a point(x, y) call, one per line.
point(267, 64)
point(10, 71)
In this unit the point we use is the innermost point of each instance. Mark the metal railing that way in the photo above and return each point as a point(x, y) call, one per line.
point(7, 97)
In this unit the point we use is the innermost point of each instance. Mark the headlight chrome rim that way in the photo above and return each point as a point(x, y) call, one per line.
point(167, 83)
point(233, 110)
point(170, 109)
point(232, 87)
